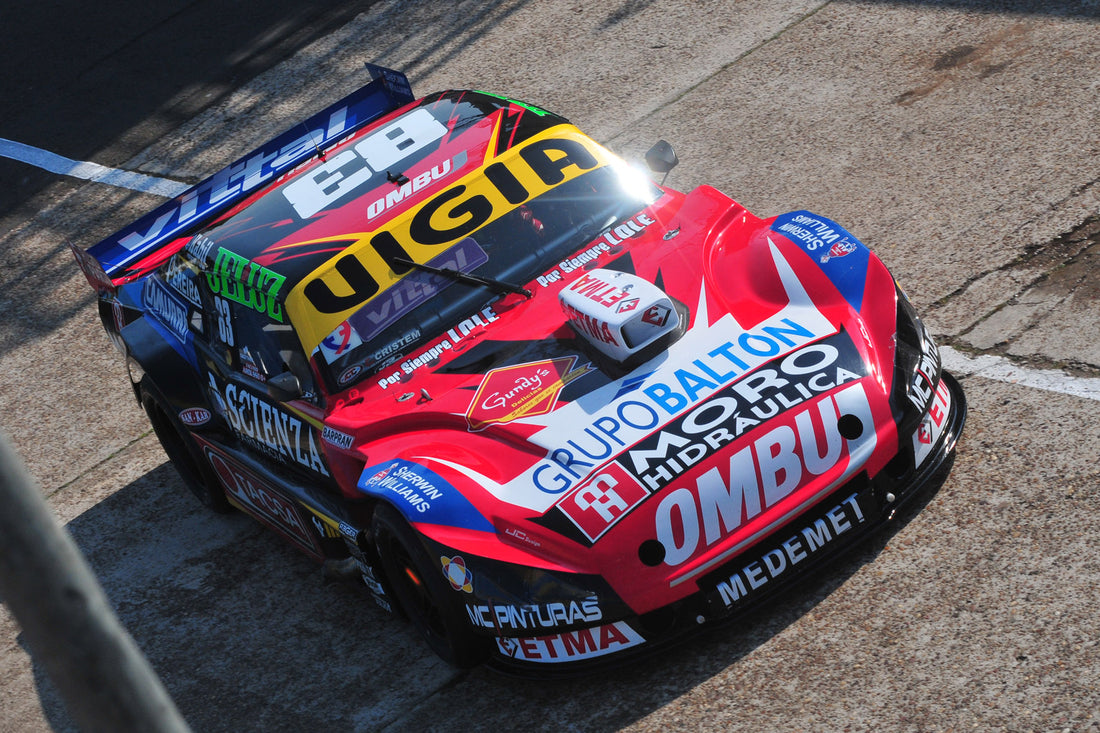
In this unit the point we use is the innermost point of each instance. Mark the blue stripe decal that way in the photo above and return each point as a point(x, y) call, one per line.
point(842, 257)
point(421, 495)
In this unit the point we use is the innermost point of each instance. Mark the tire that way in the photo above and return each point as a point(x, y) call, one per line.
point(184, 454)
point(433, 607)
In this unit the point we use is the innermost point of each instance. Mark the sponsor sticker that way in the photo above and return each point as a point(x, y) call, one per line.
point(932, 425)
point(336, 437)
point(168, 309)
point(767, 393)
point(656, 315)
point(416, 288)
point(414, 183)
point(921, 386)
point(421, 494)
point(571, 646)
point(522, 390)
point(627, 229)
point(349, 374)
point(840, 249)
point(627, 305)
point(181, 277)
point(457, 574)
point(360, 276)
point(237, 278)
point(734, 488)
point(807, 540)
point(843, 259)
point(339, 342)
point(264, 502)
point(269, 430)
point(225, 187)
point(602, 501)
point(193, 417)
point(534, 615)
point(595, 328)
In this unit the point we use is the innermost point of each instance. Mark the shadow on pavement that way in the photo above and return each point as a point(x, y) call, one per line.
point(246, 635)
point(86, 80)
point(1084, 9)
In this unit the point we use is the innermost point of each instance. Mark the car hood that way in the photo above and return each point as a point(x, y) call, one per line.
point(774, 390)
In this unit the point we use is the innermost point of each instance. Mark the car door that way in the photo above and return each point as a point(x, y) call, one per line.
point(264, 386)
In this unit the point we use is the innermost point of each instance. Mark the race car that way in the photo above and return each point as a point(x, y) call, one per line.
point(551, 411)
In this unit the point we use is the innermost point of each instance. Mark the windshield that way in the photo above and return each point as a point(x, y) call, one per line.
point(514, 248)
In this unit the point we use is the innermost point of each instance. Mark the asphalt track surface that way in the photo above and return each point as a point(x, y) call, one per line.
point(958, 139)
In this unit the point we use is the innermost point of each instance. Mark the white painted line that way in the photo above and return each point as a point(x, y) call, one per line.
point(1003, 370)
point(55, 163)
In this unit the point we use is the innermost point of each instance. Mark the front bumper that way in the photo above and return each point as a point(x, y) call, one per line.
point(751, 579)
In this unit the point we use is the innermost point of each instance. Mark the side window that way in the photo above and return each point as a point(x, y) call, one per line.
point(260, 348)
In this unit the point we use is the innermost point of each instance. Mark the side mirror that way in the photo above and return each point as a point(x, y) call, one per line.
point(284, 387)
point(661, 158)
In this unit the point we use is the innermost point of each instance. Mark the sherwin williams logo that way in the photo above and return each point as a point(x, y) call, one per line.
point(523, 390)
point(826, 241)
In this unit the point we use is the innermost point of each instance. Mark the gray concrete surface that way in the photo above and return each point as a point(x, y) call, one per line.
point(959, 139)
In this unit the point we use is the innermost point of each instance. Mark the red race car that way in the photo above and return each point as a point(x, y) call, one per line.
point(551, 411)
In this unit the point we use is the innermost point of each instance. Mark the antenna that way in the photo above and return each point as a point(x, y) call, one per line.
point(309, 133)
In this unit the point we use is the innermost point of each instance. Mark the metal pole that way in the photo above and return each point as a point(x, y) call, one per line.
point(106, 682)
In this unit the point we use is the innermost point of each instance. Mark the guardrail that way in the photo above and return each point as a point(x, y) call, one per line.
point(107, 683)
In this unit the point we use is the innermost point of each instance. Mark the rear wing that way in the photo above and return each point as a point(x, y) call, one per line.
point(92, 270)
point(388, 90)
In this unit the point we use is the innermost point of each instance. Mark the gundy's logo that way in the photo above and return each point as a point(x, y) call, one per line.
point(523, 390)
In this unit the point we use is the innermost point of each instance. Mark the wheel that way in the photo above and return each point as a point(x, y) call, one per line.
point(433, 607)
point(184, 454)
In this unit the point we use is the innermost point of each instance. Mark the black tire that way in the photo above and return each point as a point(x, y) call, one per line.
point(184, 453)
point(433, 607)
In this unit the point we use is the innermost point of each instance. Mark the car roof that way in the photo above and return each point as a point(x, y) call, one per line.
point(294, 225)
point(321, 238)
